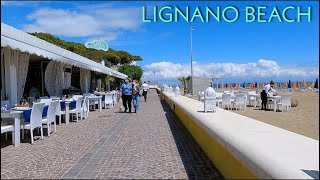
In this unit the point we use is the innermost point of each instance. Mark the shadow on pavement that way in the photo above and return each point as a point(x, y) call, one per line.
point(197, 164)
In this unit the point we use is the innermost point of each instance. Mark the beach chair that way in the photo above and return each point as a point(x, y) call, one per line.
point(226, 100)
point(285, 102)
point(240, 101)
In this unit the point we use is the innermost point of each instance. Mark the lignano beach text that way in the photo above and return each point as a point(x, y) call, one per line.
point(261, 14)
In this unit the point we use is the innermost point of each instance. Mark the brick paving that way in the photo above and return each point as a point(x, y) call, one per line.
point(152, 144)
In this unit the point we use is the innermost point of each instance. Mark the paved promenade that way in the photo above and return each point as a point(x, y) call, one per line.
point(152, 144)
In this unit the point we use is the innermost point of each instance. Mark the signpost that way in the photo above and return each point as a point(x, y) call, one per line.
point(97, 44)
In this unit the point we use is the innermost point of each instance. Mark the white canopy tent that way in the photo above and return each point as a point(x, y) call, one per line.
point(17, 45)
point(25, 42)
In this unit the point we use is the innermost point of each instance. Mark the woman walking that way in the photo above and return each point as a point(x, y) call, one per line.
point(135, 95)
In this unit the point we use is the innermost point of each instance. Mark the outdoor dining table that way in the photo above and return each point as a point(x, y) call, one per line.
point(275, 100)
point(256, 97)
point(94, 99)
point(16, 116)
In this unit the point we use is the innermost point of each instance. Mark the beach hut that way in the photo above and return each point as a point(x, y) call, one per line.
point(316, 84)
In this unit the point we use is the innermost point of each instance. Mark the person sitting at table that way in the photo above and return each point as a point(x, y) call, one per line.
point(96, 92)
point(266, 91)
point(34, 92)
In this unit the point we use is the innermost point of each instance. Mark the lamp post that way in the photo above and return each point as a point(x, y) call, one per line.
point(191, 59)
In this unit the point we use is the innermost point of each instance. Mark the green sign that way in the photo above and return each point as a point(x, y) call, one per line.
point(97, 44)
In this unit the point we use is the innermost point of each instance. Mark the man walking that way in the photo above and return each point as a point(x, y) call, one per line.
point(126, 94)
point(145, 89)
point(266, 91)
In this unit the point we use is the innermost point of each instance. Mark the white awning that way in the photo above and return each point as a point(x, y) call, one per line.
point(25, 42)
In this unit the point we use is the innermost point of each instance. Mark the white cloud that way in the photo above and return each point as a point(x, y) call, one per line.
point(99, 21)
point(262, 69)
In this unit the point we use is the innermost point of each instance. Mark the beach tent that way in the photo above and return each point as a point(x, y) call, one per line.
point(316, 84)
point(289, 84)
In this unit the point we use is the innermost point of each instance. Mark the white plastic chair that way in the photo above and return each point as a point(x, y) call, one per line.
point(226, 100)
point(51, 117)
point(60, 112)
point(78, 109)
point(219, 98)
point(53, 98)
point(285, 102)
point(46, 101)
point(76, 96)
point(240, 100)
point(251, 99)
point(84, 108)
point(8, 128)
point(35, 120)
point(108, 101)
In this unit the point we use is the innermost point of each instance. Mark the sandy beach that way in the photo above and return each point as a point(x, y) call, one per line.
point(303, 119)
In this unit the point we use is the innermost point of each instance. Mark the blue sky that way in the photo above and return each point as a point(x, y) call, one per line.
point(237, 51)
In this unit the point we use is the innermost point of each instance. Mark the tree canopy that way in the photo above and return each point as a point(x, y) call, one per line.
point(133, 71)
point(111, 57)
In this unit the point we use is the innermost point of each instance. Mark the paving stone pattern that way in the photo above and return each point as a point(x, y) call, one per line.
point(152, 144)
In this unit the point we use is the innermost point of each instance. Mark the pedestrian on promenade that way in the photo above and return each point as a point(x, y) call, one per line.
point(145, 90)
point(136, 95)
point(126, 94)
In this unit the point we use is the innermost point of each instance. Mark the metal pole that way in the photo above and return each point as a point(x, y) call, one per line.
point(191, 59)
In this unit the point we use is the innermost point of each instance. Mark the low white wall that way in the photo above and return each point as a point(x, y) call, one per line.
point(266, 150)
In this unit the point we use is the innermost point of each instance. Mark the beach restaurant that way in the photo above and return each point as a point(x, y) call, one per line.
point(27, 61)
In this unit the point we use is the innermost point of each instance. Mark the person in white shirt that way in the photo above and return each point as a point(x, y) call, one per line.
point(266, 91)
point(145, 90)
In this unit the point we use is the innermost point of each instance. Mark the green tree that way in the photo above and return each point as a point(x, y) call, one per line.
point(184, 81)
point(111, 57)
point(133, 71)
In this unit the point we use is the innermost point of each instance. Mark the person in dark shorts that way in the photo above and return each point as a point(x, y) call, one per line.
point(264, 94)
point(145, 90)
point(126, 94)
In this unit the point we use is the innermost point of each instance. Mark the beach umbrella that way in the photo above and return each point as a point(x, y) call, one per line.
point(280, 85)
point(308, 84)
point(312, 84)
point(234, 85)
point(256, 84)
point(303, 84)
point(275, 85)
point(293, 84)
point(289, 84)
point(244, 85)
point(316, 84)
point(298, 85)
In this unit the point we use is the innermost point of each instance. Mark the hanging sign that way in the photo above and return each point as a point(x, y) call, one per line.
point(97, 44)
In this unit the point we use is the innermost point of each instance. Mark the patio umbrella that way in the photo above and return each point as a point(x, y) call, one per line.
point(280, 85)
point(316, 84)
point(289, 84)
